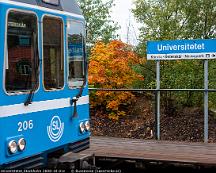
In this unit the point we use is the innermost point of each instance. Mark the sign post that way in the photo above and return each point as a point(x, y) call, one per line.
point(206, 101)
point(182, 50)
point(158, 99)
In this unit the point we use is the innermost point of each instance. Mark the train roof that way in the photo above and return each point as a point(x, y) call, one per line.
point(70, 6)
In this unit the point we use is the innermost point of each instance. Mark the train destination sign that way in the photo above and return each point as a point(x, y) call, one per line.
point(181, 49)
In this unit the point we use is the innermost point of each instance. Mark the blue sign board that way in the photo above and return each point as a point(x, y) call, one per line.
point(181, 49)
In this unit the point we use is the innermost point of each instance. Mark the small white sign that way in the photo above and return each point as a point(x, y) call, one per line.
point(177, 56)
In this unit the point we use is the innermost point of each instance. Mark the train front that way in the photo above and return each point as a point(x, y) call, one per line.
point(44, 105)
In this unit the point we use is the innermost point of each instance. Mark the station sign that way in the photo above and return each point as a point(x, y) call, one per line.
point(181, 49)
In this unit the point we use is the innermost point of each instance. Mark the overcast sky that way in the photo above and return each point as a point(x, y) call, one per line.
point(121, 13)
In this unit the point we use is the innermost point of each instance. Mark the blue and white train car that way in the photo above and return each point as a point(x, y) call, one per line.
point(44, 101)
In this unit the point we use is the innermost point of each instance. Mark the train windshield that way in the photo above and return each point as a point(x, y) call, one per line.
point(76, 40)
point(20, 52)
point(53, 59)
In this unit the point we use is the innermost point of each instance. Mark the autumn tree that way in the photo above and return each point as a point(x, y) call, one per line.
point(99, 23)
point(176, 19)
point(111, 66)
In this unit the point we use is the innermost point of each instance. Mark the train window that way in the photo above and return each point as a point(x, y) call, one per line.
point(76, 38)
point(22, 52)
point(53, 2)
point(53, 59)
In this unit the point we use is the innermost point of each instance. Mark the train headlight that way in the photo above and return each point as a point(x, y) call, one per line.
point(82, 127)
point(87, 125)
point(21, 144)
point(12, 146)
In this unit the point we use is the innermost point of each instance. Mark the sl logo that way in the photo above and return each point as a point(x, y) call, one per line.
point(56, 129)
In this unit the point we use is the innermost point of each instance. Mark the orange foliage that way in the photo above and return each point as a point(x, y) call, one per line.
point(111, 67)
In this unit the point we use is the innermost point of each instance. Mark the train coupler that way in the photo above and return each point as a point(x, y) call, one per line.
point(72, 160)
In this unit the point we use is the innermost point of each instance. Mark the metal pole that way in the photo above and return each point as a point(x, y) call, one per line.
point(206, 101)
point(158, 99)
